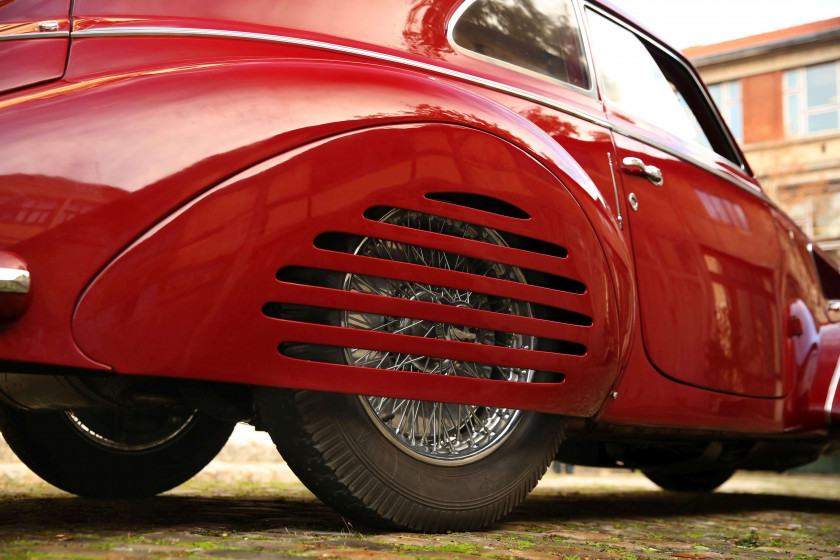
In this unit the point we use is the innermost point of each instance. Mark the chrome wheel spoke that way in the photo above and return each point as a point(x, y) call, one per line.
point(437, 432)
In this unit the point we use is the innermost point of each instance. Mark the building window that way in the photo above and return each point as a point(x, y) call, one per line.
point(814, 208)
point(727, 97)
point(812, 103)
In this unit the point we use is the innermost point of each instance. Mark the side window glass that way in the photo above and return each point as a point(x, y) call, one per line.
point(541, 36)
point(648, 83)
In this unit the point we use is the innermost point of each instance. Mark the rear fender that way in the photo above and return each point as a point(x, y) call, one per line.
point(824, 399)
point(187, 299)
point(162, 136)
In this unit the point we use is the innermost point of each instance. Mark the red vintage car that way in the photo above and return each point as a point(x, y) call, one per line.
point(428, 245)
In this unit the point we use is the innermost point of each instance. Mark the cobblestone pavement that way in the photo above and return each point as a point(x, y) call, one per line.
point(573, 517)
point(248, 505)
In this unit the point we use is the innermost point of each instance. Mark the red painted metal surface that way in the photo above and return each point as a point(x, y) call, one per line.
point(113, 180)
point(186, 299)
point(145, 133)
point(30, 58)
point(706, 262)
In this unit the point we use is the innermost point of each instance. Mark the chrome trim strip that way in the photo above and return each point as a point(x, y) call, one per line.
point(36, 35)
point(187, 32)
point(517, 92)
point(687, 158)
point(620, 218)
point(14, 281)
point(691, 72)
point(832, 392)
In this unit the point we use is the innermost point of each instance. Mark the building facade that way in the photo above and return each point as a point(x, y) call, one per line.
point(780, 94)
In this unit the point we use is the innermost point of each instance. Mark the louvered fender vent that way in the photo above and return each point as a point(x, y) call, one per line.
point(418, 292)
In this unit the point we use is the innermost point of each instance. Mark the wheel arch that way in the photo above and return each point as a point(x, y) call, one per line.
point(187, 299)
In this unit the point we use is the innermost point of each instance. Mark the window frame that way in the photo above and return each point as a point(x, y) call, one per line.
point(727, 102)
point(717, 119)
point(802, 110)
point(578, 14)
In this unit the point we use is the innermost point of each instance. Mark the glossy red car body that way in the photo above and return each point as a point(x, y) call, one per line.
point(163, 161)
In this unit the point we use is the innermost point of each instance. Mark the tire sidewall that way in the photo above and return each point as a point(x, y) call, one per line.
point(528, 449)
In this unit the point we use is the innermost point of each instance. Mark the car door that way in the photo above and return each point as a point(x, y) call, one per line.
point(705, 250)
point(34, 39)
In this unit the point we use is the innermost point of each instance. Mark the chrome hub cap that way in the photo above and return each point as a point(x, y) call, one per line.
point(130, 430)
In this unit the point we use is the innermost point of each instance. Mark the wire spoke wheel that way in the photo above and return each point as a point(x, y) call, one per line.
point(437, 432)
point(408, 464)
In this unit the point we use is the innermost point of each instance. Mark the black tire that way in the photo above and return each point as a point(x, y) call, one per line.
point(332, 445)
point(349, 453)
point(701, 481)
point(114, 453)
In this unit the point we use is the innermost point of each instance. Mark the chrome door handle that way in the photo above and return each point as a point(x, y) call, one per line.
point(14, 281)
point(833, 309)
point(48, 26)
point(636, 166)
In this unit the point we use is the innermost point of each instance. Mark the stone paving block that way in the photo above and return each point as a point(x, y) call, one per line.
point(172, 536)
point(406, 540)
point(355, 554)
point(527, 554)
point(239, 554)
point(149, 549)
point(358, 543)
point(80, 552)
point(266, 545)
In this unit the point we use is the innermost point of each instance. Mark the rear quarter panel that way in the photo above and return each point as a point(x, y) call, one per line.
point(128, 146)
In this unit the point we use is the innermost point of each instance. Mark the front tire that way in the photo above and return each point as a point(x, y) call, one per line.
point(114, 453)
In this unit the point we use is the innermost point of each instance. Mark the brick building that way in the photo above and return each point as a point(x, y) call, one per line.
point(780, 94)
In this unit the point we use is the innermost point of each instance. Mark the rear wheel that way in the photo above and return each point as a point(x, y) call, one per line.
point(114, 453)
point(401, 463)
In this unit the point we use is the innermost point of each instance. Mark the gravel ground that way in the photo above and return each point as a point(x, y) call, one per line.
point(247, 504)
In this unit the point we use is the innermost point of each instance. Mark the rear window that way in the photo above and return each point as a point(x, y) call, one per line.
point(540, 36)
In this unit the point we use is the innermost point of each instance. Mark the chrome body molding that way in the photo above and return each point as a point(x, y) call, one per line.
point(832, 393)
point(491, 84)
point(619, 217)
point(689, 159)
point(14, 281)
point(672, 54)
point(189, 32)
point(36, 35)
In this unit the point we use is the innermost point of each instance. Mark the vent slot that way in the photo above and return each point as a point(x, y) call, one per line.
point(480, 202)
point(395, 362)
point(307, 276)
point(521, 242)
point(418, 327)
point(403, 252)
